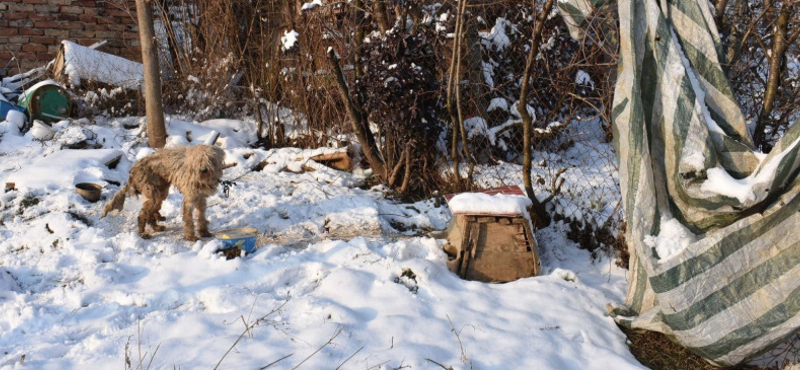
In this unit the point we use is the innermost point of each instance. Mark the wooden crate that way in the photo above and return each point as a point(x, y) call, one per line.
point(492, 248)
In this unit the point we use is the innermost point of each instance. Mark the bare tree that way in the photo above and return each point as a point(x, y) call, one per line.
point(156, 131)
point(540, 214)
point(776, 59)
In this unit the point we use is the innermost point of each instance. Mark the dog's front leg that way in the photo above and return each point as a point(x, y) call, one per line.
point(202, 222)
point(188, 221)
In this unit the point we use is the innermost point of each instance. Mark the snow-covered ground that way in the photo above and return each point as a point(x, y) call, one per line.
point(332, 285)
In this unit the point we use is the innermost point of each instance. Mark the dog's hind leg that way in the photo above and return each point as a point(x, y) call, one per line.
point(159, 195)
point(188, 221)
point(202, 222)
point(144, 217)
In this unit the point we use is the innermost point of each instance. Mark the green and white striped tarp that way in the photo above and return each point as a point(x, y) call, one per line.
point(684, 148)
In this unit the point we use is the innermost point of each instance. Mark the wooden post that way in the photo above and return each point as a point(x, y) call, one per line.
point(156, 131)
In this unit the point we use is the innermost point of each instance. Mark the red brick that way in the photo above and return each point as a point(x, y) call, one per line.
point(21, 24)
point(86, 42)
point(19, 39)
point(130, 51)
point(34, 1)
point(107, 20)
point(20, 7)
point(31, 31)
point(42, 40)
point(3, 23)
point(45, 24)
point(56, 33)
point(71, 10)
point(126, 4)
point(87, 18)
point(118, 13)
point(13, 47)
point(45, 8)
point(53, 48)
point(72, 25)
point(15, 15)
point(5, 56)
point(34, 47)
point(60, 2)
point(105, 34)
point(97, 27)
point(42, 16)
point(116, 27)
point(25, 55)
point(68, 17)
point(29, 63)
point(45, 55)
point(8, 31)
point(94, 11)
point(81, 34)
point(85, 3)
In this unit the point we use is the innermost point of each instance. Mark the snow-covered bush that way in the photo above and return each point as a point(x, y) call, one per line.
point(401, 94)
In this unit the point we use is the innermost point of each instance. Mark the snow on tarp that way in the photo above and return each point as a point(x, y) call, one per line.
point(83, 63)
point(712, 226)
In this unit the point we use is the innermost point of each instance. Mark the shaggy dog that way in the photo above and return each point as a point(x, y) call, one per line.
point(195, 171)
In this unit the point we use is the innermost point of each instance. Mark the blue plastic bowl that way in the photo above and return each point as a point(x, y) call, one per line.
point(242, 237)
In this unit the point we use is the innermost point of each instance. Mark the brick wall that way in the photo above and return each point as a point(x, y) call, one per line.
point(32, 30)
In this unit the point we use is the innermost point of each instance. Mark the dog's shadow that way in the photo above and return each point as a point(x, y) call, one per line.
point(123, 222)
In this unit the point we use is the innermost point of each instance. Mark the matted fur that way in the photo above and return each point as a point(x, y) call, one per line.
point(195, 171)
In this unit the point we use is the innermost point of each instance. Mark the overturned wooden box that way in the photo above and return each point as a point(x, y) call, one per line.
point(492, 246)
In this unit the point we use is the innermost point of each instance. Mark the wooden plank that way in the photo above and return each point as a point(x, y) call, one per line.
point(468, 252)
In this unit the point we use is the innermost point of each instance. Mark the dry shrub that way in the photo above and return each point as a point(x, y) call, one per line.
point(655, 351)
point(401, 94)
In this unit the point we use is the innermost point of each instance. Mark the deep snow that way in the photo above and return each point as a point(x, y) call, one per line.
point(330, 267)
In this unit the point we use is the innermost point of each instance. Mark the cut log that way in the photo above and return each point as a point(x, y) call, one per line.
point(339, 160)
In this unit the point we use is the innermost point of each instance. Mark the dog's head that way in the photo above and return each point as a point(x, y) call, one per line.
point(205, 164)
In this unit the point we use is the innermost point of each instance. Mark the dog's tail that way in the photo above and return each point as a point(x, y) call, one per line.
point(118, 200)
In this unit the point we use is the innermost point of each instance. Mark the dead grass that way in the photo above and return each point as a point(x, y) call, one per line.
point(657, 352)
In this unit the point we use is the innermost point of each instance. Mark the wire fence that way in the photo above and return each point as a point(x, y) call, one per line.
point(270, 60)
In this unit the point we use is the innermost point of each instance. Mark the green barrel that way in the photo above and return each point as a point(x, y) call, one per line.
point(47, 101)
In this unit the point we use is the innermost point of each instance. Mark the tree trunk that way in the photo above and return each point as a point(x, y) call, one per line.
point(358, 35)
point(452, 85)
point(719, 10)
point(382, 16)
point(779, 47)
point(156, 132)
point(358, 123)
point(541, 218)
